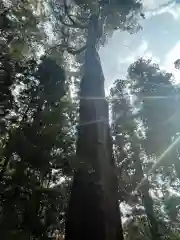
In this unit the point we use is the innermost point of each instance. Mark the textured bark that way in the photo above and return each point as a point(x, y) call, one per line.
point(93, 208)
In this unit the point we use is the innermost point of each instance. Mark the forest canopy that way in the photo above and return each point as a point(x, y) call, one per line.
point(61, 155)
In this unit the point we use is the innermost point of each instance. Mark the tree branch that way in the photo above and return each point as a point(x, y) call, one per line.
point(76, 51)
point(74, 23)
point(79, 17)
point(66, 24)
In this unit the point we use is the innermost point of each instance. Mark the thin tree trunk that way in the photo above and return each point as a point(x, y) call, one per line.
point(148, 205)
point(93, 208)
point(148, 202)
point(175, 156)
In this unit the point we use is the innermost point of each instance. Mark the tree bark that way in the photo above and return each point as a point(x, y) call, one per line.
point(93, 207)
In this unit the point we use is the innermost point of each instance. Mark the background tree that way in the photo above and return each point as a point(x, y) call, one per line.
point(140, 106)
point(129, 153)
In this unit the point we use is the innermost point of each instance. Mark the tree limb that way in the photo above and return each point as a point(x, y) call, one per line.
point(66, 24)
point(79, 17)
point(74, 23)
point(76, 51)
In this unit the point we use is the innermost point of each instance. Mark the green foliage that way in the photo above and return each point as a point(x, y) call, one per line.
point(20, 38)
point(70, 23)
point(116, 14)
point(158, 100)
point(123, 129)
point(37, 152)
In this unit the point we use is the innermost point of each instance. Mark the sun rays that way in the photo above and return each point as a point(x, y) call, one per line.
point(158, 161)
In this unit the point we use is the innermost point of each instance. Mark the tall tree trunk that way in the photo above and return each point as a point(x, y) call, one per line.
point(93, 208)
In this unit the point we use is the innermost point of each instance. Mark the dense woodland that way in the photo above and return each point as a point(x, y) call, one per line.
point(75, 163)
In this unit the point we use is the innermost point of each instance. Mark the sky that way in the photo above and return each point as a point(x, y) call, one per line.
point(159, 40)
